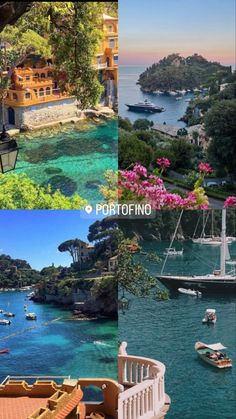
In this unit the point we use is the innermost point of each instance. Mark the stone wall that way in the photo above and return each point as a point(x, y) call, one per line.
point(43, 113)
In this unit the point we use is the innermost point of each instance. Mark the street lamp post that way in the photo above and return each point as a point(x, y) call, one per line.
point(8, 152)
point(124, 303)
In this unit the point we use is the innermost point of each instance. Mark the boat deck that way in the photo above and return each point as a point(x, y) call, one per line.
point(20, 407)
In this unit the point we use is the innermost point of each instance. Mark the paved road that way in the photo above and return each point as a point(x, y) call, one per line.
point(214, 202)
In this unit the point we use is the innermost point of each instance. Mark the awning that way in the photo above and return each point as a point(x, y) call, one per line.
point(216, 346)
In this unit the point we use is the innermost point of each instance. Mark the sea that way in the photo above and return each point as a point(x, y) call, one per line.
point(54, 344)
point(167, 331)
point(130, 92)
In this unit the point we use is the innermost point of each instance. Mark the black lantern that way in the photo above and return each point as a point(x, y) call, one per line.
point(8, 152)
point(124, 303)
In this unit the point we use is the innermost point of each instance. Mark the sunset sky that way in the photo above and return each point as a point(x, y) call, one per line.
point(152, 29)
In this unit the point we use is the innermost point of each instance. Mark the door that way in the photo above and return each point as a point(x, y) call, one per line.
point(11, 116)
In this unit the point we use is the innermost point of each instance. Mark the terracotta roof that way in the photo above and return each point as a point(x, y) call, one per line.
point(20, 407)
point(70, 405)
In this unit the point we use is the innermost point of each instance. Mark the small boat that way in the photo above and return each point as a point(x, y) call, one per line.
point(31, 294)
point(31, 316)
point(189, 292)
point(9, 314)
point(172, 252)
point(1, 311)
point(4, 351)
point(210, 316)
point(5, 322)
point(179, 98)
point(145, 106)
point(213, 355)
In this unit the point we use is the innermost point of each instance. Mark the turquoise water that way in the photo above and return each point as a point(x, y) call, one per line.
point(129, 92)
point(72, 159)
point(168, 330)
point(62, 347)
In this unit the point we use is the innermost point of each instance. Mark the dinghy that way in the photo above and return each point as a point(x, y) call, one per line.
point(210, 316)
point(189, 292)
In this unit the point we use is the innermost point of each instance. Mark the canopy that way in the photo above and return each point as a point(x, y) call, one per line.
point(216, 346)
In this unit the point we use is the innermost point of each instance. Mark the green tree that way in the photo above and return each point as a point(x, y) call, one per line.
point(220, 124)
point(142, 124)
point(132, 150)
point(20, 192)
point(125, 124)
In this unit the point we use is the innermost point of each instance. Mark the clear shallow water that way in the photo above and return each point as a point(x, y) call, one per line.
point(72, 159)
point(63, 347)
point(129, 92)
point(168, 330)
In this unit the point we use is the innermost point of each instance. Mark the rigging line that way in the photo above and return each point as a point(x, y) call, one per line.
point(167, 253)
point(196, 226)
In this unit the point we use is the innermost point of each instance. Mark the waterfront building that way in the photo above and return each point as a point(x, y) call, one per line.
point(34, 99)
point(138, 394)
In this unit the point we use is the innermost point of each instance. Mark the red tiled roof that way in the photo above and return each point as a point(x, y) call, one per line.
point(20, 407)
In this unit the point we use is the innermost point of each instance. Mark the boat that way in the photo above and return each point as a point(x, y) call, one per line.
point(9, 314)
point(5, 322)
point(172, 252)
point(211, 239)
point(145, 106)
point(31, 316)
point(4, 351)
point(213, 355)
point(190, 292)
point(219, 281)
point(210, 316)
point(1, 311)
point(31, 294)
point(179, 98)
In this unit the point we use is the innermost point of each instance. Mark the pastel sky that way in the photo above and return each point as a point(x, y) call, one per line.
point(35, 235)
point(152, 29)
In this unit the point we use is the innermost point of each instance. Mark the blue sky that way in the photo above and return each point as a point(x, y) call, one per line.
point(35, 235)
point(151, 29)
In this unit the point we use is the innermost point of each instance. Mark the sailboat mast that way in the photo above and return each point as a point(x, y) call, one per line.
point(223, 243)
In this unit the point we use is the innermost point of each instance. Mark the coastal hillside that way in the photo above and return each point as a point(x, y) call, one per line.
point(16, 273)
point(176, 73)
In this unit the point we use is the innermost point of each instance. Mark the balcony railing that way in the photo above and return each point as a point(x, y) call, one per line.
point(144, 390)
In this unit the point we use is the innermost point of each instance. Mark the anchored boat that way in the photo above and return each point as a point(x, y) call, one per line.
point(9, 314)
point(172, 252)
point(5, 322)
point(31, 316)
point(213, 355)
point(190, 292)
point(217, 281)
point(210, 316)
point(145, 106)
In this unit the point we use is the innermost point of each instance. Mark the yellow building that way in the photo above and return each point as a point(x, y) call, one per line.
point(34, 98)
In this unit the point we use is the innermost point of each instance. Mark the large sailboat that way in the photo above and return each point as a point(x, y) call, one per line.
point(217, 281)
point(210, 240)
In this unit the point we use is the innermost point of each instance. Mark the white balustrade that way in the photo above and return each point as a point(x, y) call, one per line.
point(143, 382)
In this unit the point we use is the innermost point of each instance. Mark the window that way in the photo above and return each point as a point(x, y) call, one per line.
point(27, 95)
point(48, 91)
point(49, 74)
point(43, 76)
point(36, 92)
point(110, 28)
point(27, 78)
point(36, 75)
point(41, 92)
point(111, 42)
point(115, 57)
point(15, 97)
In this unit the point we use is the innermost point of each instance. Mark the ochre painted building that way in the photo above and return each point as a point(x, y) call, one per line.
point(34, 98)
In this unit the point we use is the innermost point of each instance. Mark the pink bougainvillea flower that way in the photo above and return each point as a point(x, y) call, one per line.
point(140, 170)
point(163, 162)
point(230, 202)
point(205, 168)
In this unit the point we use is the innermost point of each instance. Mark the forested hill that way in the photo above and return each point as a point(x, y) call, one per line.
point(176, 73)
point(16, 272)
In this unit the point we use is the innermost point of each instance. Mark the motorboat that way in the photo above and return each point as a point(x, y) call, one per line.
point(213, 355)
point(190, 292)
point(31, 316)
point(210, 316)
point(9, 314)
point(31, 294)
point(145, 106)
point(4, 351)
point(5, 322)
point(171, 251)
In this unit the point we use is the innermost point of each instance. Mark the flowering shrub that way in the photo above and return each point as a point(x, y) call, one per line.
point(137, 185)
point(205, 168)
point(230, 202)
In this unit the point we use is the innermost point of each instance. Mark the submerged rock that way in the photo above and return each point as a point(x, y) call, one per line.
point(65, 184)
point(52, 170)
